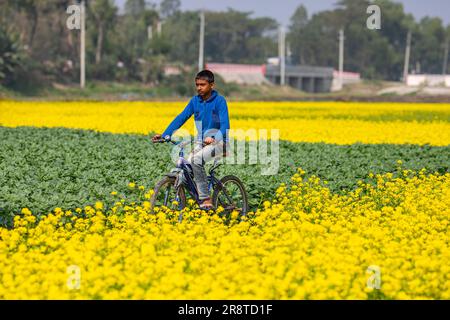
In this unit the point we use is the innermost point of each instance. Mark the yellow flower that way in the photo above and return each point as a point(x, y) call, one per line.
point(297, 121)
point(26, 211)
point(149, 194)
point(220, 209)
point(99, 205)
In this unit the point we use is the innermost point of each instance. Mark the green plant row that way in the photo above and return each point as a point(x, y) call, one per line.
point(42, 168)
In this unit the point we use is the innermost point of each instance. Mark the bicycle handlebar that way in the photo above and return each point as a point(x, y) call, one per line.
point(165, 140)
point(180, 144)
point(169, 140)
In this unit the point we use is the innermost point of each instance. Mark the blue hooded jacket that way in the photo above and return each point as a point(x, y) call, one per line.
point(211, 117)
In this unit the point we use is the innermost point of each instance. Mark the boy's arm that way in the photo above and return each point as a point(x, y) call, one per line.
point(224, 120)
point(180, 120)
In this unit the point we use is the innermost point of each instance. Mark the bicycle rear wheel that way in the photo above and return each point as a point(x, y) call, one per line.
point(230, 194)
point(165, 194)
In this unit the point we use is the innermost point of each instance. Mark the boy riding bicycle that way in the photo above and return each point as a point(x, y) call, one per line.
point(210, 112)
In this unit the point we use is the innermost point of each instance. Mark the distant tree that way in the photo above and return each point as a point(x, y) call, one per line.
point(182, 32)
point(138, 17)
point(233, 36)
point(104, 13)
point(133, 46)
point(296, 36)
point(316, 43)
point(9, 56)
point(428, 45)
point(30, 8)
point(395, 26)
point(135, 7)
point(169, 8)
point(376, 54)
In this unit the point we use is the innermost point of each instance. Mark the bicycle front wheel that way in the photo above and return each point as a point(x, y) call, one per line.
point(230, 194)
point(167, 195)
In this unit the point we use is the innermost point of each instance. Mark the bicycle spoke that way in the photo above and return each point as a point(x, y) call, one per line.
point(220, 201)
point(166, 197)
point(231, 197)
point(226, 194)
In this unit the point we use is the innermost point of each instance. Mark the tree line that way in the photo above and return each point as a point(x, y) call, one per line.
point(134, 44)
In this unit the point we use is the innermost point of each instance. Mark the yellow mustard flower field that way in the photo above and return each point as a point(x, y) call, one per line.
point(337, 122)
point(359, 209)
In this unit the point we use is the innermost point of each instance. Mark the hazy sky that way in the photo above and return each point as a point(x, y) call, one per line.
point(282, 10)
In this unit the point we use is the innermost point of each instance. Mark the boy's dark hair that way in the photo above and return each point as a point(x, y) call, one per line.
point(205, 75)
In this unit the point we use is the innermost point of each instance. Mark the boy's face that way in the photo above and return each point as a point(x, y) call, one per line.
point(204, 88)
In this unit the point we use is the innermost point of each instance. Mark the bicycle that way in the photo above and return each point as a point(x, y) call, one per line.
point(170, 191)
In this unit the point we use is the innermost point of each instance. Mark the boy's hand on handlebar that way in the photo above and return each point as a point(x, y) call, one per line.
point(209, 141)
point(156, 138)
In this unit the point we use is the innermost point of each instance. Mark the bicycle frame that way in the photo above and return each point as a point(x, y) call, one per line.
point(183, 171)
point(182, 174)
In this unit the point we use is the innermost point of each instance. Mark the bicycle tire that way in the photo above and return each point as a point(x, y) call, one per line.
point(236, 181)
point(171, 182)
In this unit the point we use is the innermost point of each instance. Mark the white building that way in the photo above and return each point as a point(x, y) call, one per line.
point(347, 78)
point(428, 80)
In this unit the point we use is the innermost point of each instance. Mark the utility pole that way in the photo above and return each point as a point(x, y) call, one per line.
point(159, 28)
point(444, 67)
point(201, 59)
point(282, 55)
point(83, 45)
point(341, 58)
point(288, 53)
point(150, 32)
point(407, 54)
